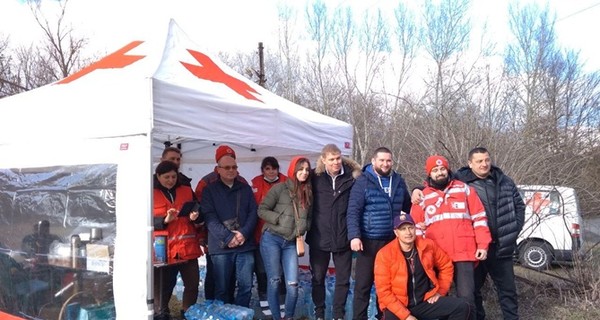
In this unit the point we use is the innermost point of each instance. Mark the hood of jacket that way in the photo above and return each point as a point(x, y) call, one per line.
point(353, 165)
point(290, 173)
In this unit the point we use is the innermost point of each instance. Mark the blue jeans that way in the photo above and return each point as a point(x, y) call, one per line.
point(279, 254)
point(242, 263)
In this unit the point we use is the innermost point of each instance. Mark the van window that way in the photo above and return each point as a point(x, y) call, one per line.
point(542, 203)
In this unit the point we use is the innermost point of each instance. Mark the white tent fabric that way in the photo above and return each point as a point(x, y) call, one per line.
point(123, 108)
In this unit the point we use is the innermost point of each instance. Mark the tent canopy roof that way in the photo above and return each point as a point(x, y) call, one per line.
point(176, 92)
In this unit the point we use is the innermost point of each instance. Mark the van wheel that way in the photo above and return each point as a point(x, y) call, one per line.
point(536, 255)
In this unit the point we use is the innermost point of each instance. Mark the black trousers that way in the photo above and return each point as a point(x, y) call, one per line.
point(319, 263)
point(450, 308)
point(165, 279)
point(503, 275)
point(363, 273)
point(464, 281)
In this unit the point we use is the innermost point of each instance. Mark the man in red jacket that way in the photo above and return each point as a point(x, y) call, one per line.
point(413, 276)
point(451, 214)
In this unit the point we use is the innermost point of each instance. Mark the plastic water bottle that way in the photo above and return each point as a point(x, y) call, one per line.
point(160, 249)
point(299, 312)
point(329, 290)
point(179, 288)
point(372, 311)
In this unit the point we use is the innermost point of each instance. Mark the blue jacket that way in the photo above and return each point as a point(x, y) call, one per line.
point(371, 210)
point(220, 203)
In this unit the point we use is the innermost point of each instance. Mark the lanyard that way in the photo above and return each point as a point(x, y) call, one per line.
point(389, 191)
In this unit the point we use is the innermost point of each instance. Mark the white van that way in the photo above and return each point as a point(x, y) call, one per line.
point(552, 230)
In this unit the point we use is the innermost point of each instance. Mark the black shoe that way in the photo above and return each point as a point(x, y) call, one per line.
point(162, 316)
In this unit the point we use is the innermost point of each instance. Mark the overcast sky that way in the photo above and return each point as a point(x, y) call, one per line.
point(238, 25)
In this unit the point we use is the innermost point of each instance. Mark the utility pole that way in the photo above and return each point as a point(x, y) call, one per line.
point(261, 71)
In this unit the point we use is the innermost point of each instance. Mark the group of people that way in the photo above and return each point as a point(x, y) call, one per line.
point(454, 230)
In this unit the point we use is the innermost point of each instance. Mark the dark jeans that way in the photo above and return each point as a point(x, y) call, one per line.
point(209, 281)
point(239, 263)
point(464, 281)
point(502, 273)
point(363, 273)
point(165, 279)
point(450, 308)
point(319, 263)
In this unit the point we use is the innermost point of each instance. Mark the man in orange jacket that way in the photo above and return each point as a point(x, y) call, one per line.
point(413, 276)
point(451, 214)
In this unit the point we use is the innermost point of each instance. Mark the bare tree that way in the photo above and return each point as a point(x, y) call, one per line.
point(58, 54)
point(61, 46)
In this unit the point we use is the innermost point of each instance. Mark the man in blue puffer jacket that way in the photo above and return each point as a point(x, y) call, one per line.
point(377, 196)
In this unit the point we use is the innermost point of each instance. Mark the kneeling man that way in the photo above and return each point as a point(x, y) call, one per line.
point(413, 276)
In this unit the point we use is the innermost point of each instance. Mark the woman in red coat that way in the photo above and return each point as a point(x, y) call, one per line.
point(182, 244)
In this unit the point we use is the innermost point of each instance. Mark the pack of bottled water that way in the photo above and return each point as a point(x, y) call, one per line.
point(217, 310)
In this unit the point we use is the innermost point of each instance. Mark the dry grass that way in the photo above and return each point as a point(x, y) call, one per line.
point(565, 292)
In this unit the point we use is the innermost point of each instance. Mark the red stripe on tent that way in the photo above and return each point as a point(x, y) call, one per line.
point(117, 59)
point(208, 70)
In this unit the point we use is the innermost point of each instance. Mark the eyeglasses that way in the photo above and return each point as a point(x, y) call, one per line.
point(227, 168)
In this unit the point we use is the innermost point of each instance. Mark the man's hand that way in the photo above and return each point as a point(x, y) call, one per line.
point(481, 254)
point(434, 299)
point(417, 196)
point(356, 244)
point(233, 243)
point(240, 237)
point(194, 215)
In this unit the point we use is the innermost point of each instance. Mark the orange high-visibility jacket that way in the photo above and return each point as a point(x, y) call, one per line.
point(455, 219)
point(182, 240)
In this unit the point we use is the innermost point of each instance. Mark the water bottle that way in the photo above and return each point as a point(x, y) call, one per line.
point(329, 291)
point(299, 311)
point(160, 249)
point(179, 288)
point(372, 311)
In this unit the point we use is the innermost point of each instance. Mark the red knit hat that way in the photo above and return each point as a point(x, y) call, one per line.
point(435, 161)
point(224, 150)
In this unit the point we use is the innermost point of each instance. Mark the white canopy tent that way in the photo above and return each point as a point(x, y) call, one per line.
point(123, 108)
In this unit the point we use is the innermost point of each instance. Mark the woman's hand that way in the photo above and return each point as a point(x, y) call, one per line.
point(171, 215)
point(194, 215)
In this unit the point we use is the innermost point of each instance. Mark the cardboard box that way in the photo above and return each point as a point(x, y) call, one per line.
point(98, 257)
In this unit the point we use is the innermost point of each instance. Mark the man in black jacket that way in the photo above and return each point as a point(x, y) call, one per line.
point(332, 180)
point(505, 211)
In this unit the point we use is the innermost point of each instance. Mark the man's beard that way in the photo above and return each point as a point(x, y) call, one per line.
point(440, 183)
point(381, 173)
